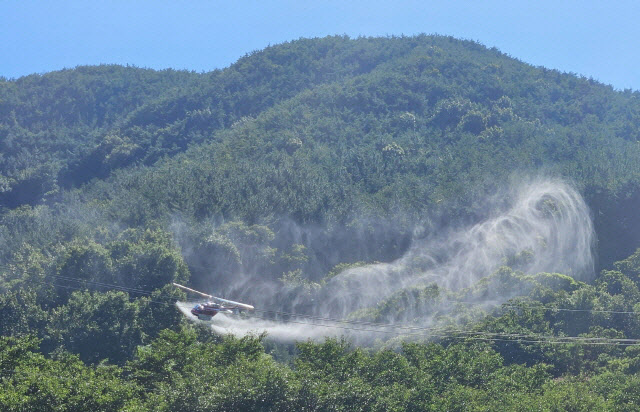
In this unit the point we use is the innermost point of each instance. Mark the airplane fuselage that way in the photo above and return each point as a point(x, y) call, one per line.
point(207, 310)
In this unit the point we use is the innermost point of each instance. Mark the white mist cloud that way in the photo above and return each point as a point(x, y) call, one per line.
point(541, 226)
point(545, 227)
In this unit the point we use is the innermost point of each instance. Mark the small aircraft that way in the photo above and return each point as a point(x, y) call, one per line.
point(209, 309)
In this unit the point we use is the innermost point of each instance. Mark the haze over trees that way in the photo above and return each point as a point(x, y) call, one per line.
point(294, 164)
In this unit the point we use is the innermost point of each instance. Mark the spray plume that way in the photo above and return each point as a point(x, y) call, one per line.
point(542, 226)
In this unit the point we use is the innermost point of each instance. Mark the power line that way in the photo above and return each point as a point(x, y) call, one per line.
point(83, 289)
point(452, 331)
point(365, 323)
point(123, 288)
point(498, 337)
point(505, 304)
point(414, 330)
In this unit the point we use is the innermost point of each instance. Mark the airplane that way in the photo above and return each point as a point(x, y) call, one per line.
point(209, 309)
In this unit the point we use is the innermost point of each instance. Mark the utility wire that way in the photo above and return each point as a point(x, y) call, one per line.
point(123, 288)
point(289, 314)
point(83, 289)
point(499, 337)
point(523, 305)
point(414, 330)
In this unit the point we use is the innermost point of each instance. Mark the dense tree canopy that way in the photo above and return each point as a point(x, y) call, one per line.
point(273, 177)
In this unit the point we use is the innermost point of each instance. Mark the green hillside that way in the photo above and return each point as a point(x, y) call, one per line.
point(445, 171)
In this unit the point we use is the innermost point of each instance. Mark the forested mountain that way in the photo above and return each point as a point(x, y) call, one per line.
point(436, 170)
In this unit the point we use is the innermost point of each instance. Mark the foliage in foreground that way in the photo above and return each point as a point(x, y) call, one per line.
point(191, 369)
point(179, 372)
point(295, 163)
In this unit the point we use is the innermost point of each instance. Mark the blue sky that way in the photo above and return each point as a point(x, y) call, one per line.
point(595, 39)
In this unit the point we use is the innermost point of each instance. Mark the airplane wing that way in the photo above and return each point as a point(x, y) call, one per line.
point(230, 302)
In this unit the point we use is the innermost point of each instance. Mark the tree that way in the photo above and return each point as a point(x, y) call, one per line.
point(96, 326)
